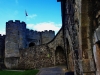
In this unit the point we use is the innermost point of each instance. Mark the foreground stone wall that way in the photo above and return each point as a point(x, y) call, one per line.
point(35, 57)
point(80, 20)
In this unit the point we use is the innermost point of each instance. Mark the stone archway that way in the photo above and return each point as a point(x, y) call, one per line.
point(60, 56)
point(31, 44)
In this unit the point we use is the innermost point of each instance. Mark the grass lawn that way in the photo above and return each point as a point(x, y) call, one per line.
point(27, 72)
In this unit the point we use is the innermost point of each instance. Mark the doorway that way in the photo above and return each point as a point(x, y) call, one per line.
point(60, 56)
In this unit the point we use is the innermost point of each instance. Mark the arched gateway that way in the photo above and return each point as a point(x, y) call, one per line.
point(60, 56)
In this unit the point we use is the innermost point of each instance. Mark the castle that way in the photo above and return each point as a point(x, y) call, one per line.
point(76, 45)
point(17, 31)
point(19, 37)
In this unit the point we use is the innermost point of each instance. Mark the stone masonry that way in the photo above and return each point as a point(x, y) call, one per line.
point(81, 21)
point(76, 45)
point(19, 44)
point(2, 46)
point(19, 37)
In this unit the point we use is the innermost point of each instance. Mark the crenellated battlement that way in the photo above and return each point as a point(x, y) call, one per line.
point(2, 36)
point(48, 31)
point(43, 32)
point(51, 31)
point(18, 22)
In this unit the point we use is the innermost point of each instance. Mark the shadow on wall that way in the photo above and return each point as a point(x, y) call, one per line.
point(69, 73)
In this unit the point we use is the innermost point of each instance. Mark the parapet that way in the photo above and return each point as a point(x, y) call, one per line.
point(10, 23)
point(51, 31)
point(2, 36)
point(45, 30)
point(23, 23)
point(16, 21)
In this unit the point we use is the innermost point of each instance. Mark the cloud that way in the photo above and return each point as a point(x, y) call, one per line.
point(45, 26)
point(2, 31)
point(33, 16)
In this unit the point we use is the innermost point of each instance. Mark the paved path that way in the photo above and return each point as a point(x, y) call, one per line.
point(52, 71)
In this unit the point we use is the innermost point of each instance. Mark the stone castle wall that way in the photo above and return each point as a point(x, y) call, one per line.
point(39, 56)
point(42, 55)
point(47, 36)
point(39, 37)
point(18, 37)
point(80, 19)
point(15, 38)
point(2, 49)
point(35, 57)
point(32, 36)
point(2, 45)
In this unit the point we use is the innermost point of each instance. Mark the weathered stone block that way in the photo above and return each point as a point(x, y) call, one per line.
point(11, 63)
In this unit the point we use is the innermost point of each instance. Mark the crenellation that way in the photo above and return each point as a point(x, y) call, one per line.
point(2, 36)
point(35, 31)
point(50, 30)
point(10, 21)
point(45, 30)
point(23, 23)
point(17, 21)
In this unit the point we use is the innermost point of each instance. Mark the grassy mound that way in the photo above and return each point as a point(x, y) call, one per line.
point(27, 72)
